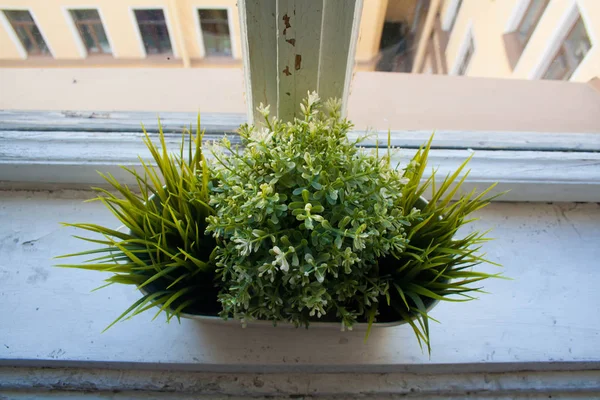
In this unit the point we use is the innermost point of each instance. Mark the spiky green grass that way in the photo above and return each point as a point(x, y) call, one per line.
point(163, 250)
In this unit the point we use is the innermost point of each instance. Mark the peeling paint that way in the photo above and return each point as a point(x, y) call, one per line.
point(298, 62)
point(286, 71)
point(286, 20)
point(291, 41)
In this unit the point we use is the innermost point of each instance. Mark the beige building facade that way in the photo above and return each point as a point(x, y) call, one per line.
point(458, 37)
point(481, 38)
point(182, 19)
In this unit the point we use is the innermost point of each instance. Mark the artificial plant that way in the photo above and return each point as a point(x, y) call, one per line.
point(296, 223)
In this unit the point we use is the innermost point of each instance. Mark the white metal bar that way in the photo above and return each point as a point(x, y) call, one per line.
point(299, 26)
point(71, 159)
point(292, 47)
point(259, 50)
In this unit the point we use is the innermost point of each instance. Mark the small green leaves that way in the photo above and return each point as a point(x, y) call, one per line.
point(337, 217)
point(304, 224)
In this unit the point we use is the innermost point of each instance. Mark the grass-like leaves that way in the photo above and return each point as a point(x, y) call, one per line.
point(436, 264)
point(163, 249)
point(305, 226)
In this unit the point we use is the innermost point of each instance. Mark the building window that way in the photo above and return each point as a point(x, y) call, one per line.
point(92, 32)
point(466, 58)
point(570, 53)
point(27, 31)
point(154, 32)
point(530, 19)
point(215, 32)
point(455, 14)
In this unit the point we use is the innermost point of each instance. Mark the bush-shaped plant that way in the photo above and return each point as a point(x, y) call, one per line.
point(305, 225)
point(303, 215)
point(315, 228)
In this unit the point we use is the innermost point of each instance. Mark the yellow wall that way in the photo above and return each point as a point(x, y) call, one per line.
point(489, 20)
point(590, 67)
point(119, 24)
point(371, 26)
point(8, 51)
point(400, 10)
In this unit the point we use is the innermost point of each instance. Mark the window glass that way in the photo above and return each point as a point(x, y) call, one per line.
point(215, 32)
point(570, 54)
point(154, 31)
point(457, 10)
point(92, 32)
point(466, 60)
point(27, 31)
point(530, 20)
point(414, 36)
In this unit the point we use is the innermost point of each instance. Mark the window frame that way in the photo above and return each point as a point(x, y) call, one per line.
point(170, 30)
point(562, 30)
point(451, 15)
point(553, 167)
point(562, 49)
point(200, 36)
point(462, 52)
point(81, 47)
point(524, 44)
point(15, 37)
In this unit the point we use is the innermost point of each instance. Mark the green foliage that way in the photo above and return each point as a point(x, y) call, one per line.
point(297, 224)
point(164, 250)
point(313, 228)
point(437, 264)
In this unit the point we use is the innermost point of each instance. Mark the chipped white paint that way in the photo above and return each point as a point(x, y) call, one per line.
point(71, 158)
point(538, 320)
point(293, 46)
point(144, 384)
point(299, 26)
point(258, 26)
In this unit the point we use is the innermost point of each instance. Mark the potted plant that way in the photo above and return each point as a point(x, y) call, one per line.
point(297, 224)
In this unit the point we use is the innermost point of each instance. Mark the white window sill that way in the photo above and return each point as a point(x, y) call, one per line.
point(534, 334)
point(543, 316)
point(542, 321)
point(66, 149)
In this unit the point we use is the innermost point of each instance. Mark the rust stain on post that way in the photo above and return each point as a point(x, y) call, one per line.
point(286, 20)
point(291, 41)
point(286, 71)
point(298, 63)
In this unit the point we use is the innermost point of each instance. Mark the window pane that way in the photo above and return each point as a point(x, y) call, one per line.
point(530, 19)
point(558, 69)
point(577, 43)
point(150, 15)
point(102, 39)
point(81, 15)
point(18, 16)
point(464, 65)
point(154, 32)
point(28, 33)
point(572, 51)
point(90, 29)
point(215, 32)
point(21, 32)
point(90, 44)
point(455, 14)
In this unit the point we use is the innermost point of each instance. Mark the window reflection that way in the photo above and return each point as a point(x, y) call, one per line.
point(154, 32)
point(27, 32)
